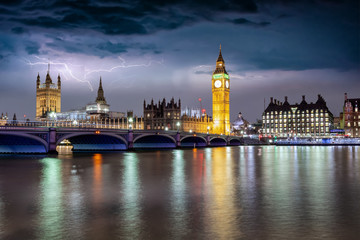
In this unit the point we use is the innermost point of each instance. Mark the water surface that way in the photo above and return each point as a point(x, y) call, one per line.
point(246, 192)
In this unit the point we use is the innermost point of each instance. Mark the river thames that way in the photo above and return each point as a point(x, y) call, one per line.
point(246, 192)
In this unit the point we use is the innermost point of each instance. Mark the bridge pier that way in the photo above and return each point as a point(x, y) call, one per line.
point(228, 141)
point(207, 140)
point(52, 141)
point(177, 138)
point(130, 139)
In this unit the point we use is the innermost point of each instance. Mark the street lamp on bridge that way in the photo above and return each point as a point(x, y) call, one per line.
point(178, 126)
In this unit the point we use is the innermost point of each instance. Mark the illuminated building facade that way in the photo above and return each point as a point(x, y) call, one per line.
point(197, 124)
point(350, 121)
point(221, 98)
point(48, 96)
point(302, 120)
point(99, 109)
point(97, 114)
point(3, 119)
point(162, 115)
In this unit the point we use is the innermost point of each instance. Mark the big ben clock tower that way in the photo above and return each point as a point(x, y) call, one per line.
point(221, 98)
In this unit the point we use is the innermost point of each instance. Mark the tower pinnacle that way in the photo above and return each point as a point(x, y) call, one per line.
point(100, 96)
point(220, 64)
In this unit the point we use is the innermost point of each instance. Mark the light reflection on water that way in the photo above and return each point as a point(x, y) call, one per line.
point(244, 192)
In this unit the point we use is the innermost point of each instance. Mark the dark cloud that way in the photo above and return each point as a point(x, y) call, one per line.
point(113, 18)
point(67, 46)
point(5, 11)
point(18, 30)
point(42, 21)
point(32, 48)
point(119, 26)
point(244, 21)
point(11, 3)
point(112, 47)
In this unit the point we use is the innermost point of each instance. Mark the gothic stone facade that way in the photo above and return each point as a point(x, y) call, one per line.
point(48, 96)
point(162, 115)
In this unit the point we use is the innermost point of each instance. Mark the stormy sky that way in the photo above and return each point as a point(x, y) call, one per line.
point(154, 49)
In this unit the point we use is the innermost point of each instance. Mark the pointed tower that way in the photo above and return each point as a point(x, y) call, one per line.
point(48, 95)
point(59, 82)
point(100, 96)
point(221, 98)
point(38, 81)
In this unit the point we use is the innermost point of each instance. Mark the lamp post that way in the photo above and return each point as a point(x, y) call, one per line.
point(130, 121)
point(178, 126)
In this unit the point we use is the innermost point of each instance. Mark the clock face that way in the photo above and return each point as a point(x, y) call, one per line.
point(217, 83)
point(227, 84)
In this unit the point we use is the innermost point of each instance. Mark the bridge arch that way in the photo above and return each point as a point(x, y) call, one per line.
point(193, 141)
point(235, 142)
point(16, 142)
point(87, 141)
point(154, 141)
point(218, 141)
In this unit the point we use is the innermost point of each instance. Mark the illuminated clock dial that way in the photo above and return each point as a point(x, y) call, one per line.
point(217, 83)
point(227, 84)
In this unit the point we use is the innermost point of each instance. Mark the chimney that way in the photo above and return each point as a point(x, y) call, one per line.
point(303, 97)
point(286, 98)
point(271, 99)
point(319, 96)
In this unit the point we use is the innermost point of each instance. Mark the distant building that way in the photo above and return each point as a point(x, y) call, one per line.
point(304, 119)
point(239, 126)
point(99, 109)
point(3, 119)
point(91, 112)
point(162, 115)
point(196, 123)
point(350, 117)
point(97, 114)
point(48, 96)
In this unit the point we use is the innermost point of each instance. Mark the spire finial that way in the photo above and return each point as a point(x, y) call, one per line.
point(220, 46)
point(49, 66)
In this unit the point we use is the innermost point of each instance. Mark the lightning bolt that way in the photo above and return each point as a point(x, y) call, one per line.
point(124, 65)
point(43, 61)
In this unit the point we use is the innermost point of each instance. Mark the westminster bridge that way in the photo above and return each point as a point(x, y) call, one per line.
point(44, 139)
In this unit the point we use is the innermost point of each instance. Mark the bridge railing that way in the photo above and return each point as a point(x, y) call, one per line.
point(12, 124)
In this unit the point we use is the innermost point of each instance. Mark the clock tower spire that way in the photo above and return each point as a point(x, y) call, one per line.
point(221, 97)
